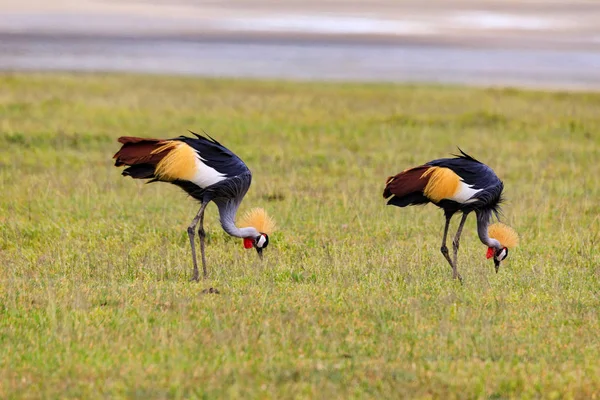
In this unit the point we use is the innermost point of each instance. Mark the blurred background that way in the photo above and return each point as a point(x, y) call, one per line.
point(551, 44)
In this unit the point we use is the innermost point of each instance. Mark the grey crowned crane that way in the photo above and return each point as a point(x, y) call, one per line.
point(460, 184)
point(207, 171)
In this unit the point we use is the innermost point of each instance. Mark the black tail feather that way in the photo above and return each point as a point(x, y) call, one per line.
point(139, 171)
point(408, 200)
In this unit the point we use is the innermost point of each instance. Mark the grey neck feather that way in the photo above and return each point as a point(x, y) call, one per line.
point(227, 211)
point(483, 221)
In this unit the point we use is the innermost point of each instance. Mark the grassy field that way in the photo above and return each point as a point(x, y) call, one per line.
point(353, 298)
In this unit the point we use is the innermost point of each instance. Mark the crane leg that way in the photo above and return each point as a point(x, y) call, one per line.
point(445, 252)
point(456, 241)
point(202, 235)
point(192, 233)
point(455, 246)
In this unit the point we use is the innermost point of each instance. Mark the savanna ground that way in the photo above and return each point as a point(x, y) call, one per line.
point(353, 298)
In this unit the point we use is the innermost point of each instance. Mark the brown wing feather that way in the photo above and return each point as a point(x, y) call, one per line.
point(133, 139)
point(139, 151)
point(406, 182)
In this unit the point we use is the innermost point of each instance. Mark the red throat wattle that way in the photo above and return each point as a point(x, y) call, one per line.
point(249, 243)
point(490, 252)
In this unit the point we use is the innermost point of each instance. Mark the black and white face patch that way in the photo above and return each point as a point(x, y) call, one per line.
point(501, 254)
point(262, 241)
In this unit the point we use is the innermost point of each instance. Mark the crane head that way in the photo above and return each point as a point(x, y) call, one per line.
point(498, 254)
point(259, 220)
point(259, 243)
point(506, 238)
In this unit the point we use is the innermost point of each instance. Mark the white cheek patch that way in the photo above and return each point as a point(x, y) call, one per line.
point(261, 242)
point(502, 255)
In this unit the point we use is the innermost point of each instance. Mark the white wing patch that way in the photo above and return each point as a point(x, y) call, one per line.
point(464, 193)
point(205, 175)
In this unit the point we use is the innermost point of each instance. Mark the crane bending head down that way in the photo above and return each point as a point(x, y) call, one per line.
point(208, 172)
point(456, 185)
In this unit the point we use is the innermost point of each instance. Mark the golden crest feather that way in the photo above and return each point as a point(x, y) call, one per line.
point(259, 219)
point(504, 234)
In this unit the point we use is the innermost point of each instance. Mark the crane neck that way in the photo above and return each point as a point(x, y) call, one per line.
point(483, 221)
point(227, 212)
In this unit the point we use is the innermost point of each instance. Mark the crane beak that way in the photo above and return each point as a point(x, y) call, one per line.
point(259, 251)
point(496, 265)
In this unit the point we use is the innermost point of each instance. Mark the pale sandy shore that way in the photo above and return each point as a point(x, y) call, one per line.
point(523, 43)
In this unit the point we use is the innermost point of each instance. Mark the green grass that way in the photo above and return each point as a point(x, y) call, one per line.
point(353, 298)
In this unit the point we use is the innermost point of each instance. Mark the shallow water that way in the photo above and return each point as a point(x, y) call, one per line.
point(302, 59)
